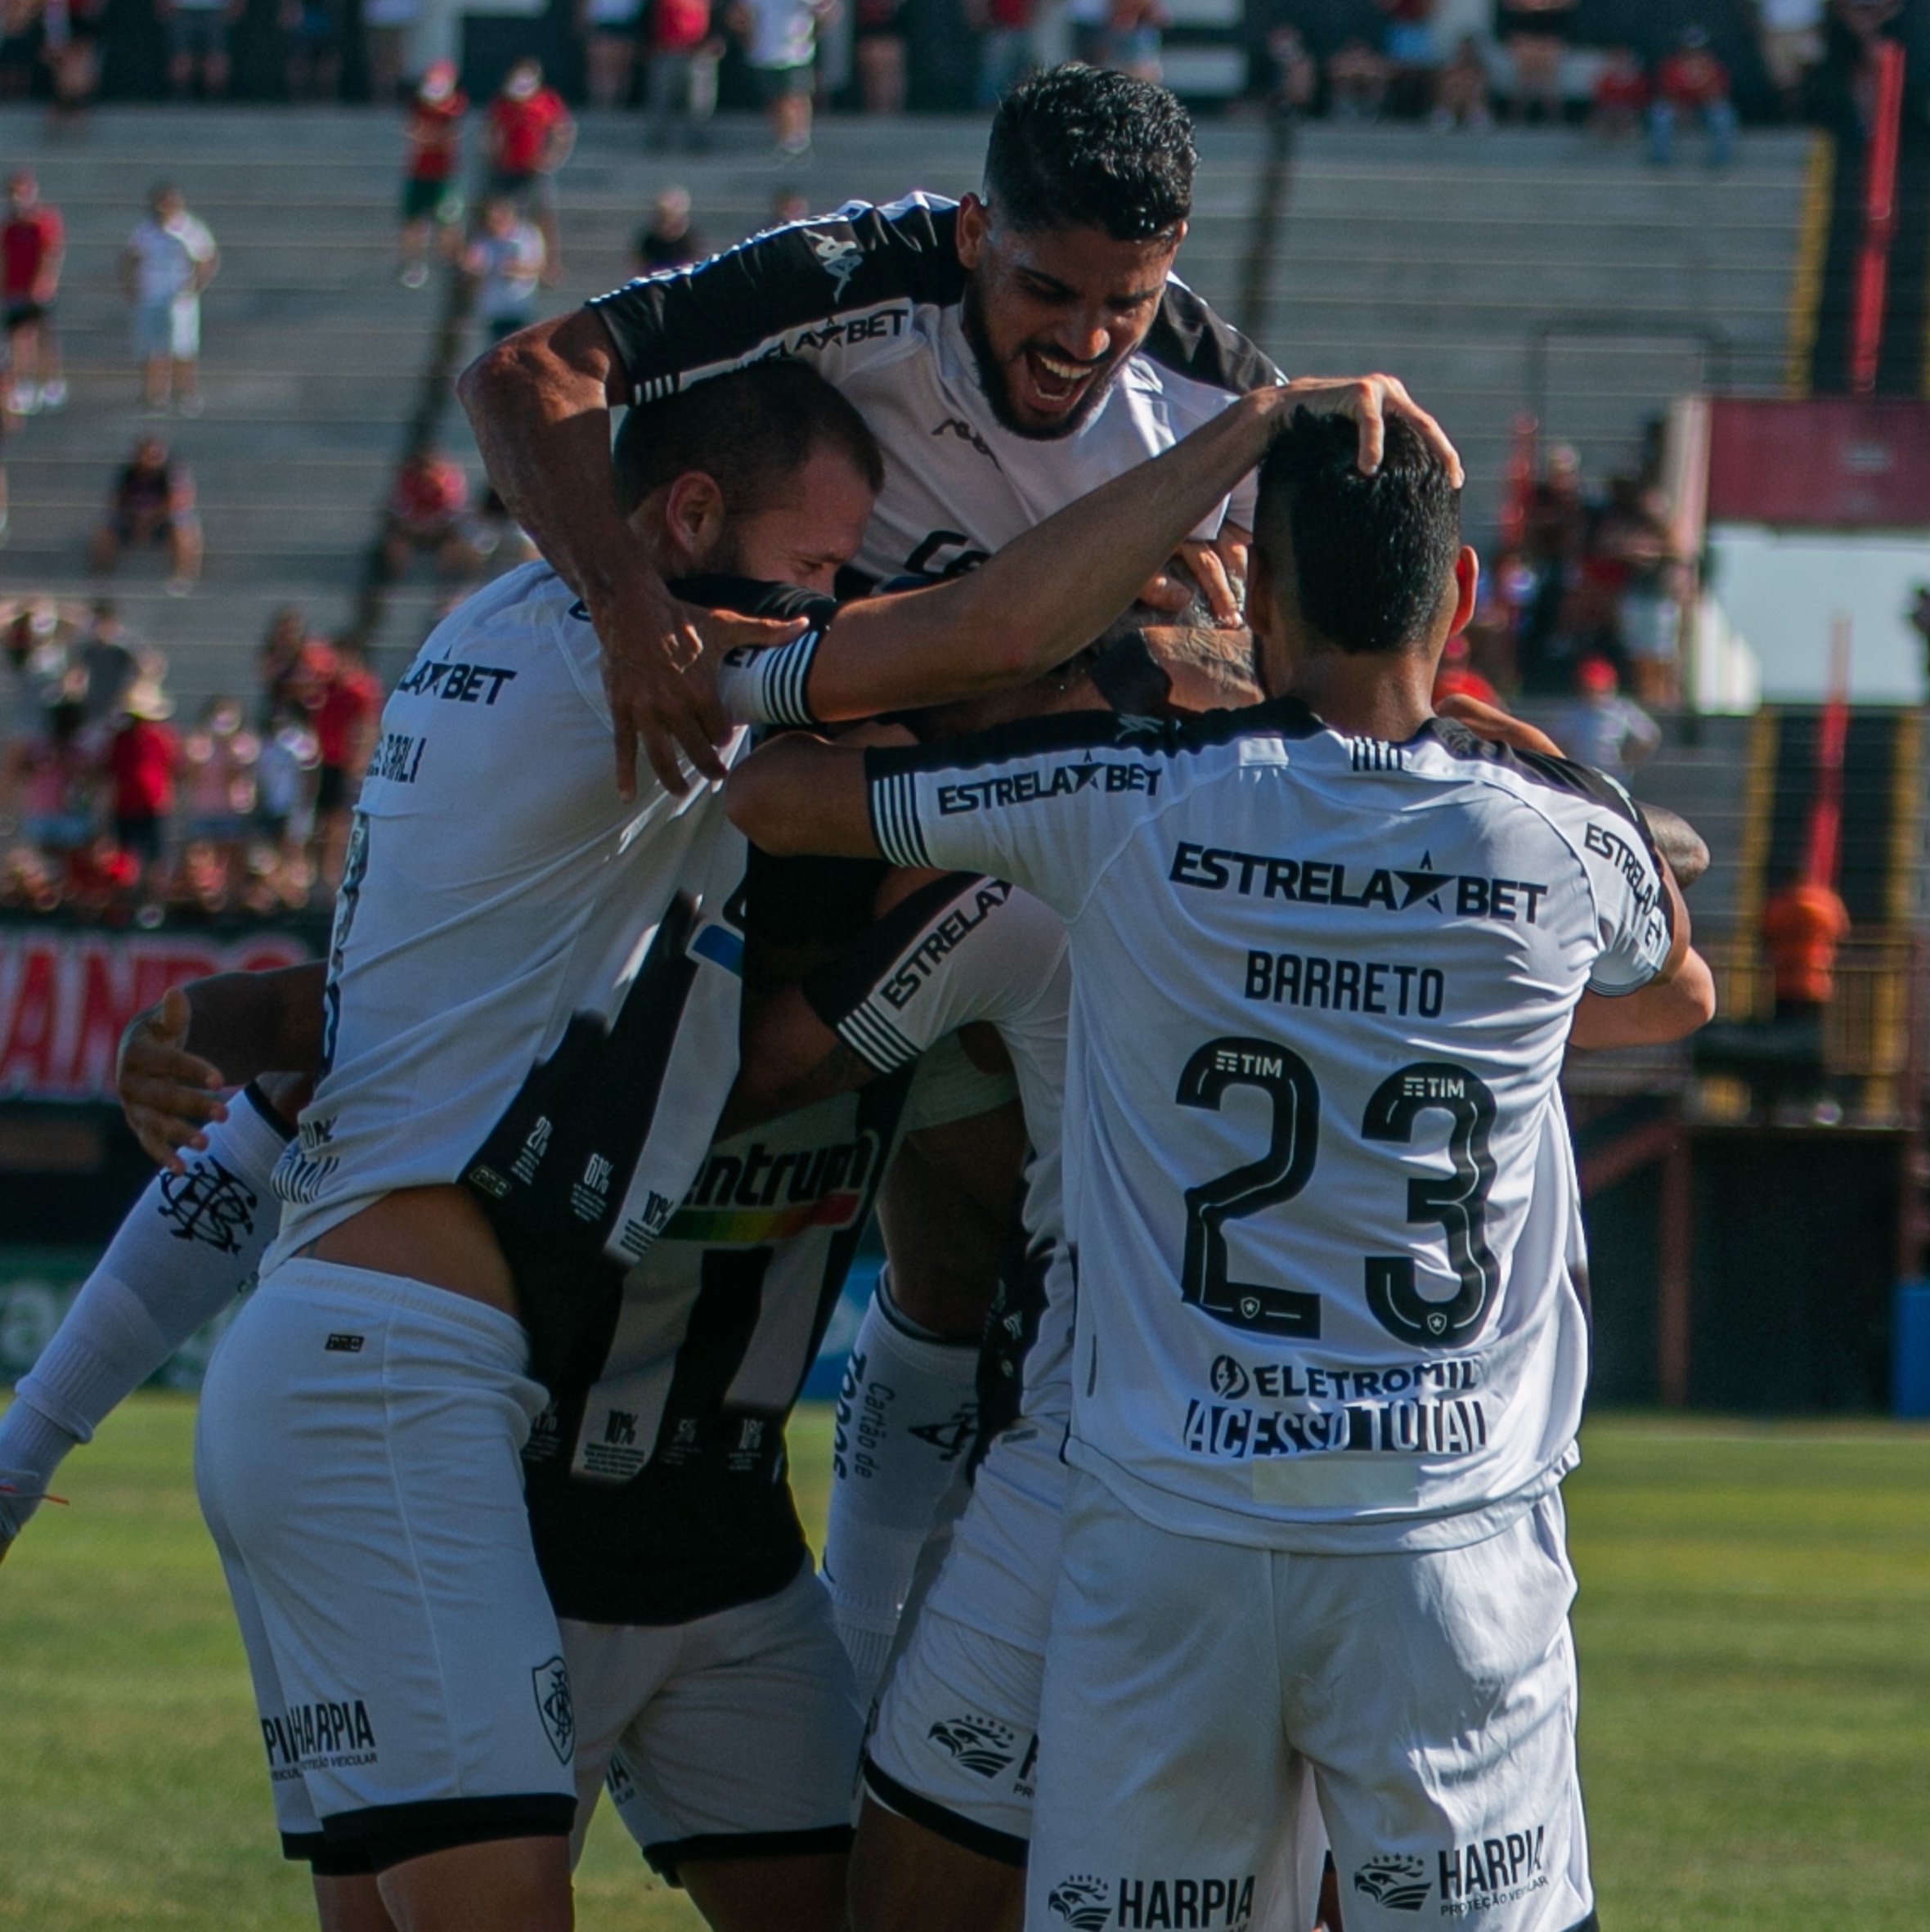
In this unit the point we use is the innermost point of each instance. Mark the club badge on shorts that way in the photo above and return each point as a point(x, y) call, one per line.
point(552, 1682)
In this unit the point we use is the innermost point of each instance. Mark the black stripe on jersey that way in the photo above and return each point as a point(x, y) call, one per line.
point(267, 1109)
point(836, 990)
point(888, 769)
point(1190, 340)
point(892, 802)
point(876, 1040)
point(767, 293)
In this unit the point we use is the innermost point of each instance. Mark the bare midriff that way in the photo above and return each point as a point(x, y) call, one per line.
point(438, 1235)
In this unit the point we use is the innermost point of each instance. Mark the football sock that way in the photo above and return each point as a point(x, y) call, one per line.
point(907, 1415)
point(193, 1241)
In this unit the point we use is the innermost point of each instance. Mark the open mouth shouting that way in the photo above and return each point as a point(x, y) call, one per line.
point(1047, 383)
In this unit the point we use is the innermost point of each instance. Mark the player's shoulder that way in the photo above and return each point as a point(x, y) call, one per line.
point(1191, 343)
point(1556, 786)
point(528, 629)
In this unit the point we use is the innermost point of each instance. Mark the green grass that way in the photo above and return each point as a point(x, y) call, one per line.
point(1756, 1691)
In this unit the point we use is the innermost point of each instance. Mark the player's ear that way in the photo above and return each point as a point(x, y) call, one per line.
point(974, 218)
point(693, 517)
point(1467, 589)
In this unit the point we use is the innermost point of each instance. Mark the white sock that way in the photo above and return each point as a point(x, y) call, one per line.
point(193, 1242)
point(906, 1418)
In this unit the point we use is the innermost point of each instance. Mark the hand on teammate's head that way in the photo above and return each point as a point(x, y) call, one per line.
point(1369, 400)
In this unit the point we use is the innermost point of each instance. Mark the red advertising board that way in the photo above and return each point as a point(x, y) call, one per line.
point(1825, 462)
point(64, 996)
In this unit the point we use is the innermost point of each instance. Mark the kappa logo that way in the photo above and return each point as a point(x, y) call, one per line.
point(1398, 1882)
point(208, 1204)
point(1230, 1380)
point(982, 1745)
point(956, 425)
point(1083, 1901)
point(837, 256)
point(551, 1681)
point(953, 1435)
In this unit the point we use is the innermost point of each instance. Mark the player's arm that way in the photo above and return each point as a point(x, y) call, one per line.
point(1679, 999)
point(212, 1033)
point(798, 793)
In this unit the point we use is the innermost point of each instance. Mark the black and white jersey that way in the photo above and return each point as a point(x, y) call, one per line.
point(967, 949)
point(657, 1482)
point(870, 296)
point(1318, 1183)
point(508, 927)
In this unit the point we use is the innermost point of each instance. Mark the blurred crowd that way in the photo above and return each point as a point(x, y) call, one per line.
point(113, 810)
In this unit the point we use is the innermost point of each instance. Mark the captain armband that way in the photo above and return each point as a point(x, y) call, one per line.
point(760, 685)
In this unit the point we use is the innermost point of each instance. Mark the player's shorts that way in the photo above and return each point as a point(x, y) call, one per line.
point(358, 1457)
point(1433, 1692)
point(955, 1743)
point(731, 1736)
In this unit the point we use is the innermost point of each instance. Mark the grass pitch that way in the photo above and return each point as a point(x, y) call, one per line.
point(1756, 1691)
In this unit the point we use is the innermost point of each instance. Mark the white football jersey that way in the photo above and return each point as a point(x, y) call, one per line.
point(976, 948)
point(870, 297)
point(499, 901)
point(1318, 1181)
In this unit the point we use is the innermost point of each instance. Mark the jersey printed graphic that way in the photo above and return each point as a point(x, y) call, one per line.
point(871, 295)
point(1319, 1002)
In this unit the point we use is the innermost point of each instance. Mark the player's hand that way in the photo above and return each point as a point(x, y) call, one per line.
point(1497, 726)
point(1369, 400)
point(167, 1093)
point(649, 640)
point(1218, 570)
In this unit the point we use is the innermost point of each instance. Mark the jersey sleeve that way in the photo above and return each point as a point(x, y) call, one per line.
point(838, 292)
point(964, 948)
point(1634, 922)
point(1044, 802)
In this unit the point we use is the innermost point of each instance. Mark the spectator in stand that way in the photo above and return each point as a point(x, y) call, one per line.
point(1620, 97)
point(20, 47)
point(609, 31)
point(779, 37)
point(426, 506)
point(1357, 76)
point(1791, 35)
point(109, 660)
point(1601, 729)
point(277, 661)
point(1918, 618)
point(681, 84)
point(220, 760)
point(169, 258)
point(152, 502)
point(1132, 43)
point(1461, 91)
point(1004, 28)
point(1535, 33)
point(143, 757)
point(315, 31)
point(1296, 74)
point(498, 541)
point(1413, 54)
point(52, 775)
point(431, 134)
point(286, 787)
point(506, 262)
point(1692, 82)
point(198, 37)
point(667, 240)
point(344, 704)
point(531, 135)
point(32, 246)
point(1802, 925)
point(71, 31)
point(387, 25)
point(789, 205)
point(878, 47)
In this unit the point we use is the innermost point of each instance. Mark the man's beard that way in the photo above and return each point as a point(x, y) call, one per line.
point(991, 379)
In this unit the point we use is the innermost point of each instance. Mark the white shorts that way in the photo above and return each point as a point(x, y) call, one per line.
point(955, 1742)
point(732, 1736)
point(1432, 1692)
point(357, 1454)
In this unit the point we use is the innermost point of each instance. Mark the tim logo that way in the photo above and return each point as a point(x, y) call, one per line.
point(1082, 1901)
point(208, 1204)
point(551, 1681)
point(838, 257)
point(1400, 1883)
point(979, 1744)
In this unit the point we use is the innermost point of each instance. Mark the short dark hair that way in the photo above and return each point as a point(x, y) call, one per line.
point(1371, 554)
point(1082, 147)
point(750, 432)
